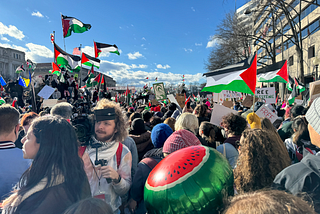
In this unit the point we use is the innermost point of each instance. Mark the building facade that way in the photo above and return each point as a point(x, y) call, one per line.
point(10, 60)
point(275, 38)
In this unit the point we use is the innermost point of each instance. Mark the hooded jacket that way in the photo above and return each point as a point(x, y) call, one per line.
point(143, 143)
point(302, 177)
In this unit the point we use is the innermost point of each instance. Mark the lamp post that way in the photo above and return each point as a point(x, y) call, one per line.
point(316, 63)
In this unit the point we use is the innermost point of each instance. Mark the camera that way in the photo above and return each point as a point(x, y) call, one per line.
point(98, 161)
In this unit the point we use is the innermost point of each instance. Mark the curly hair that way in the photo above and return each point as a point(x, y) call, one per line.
point(234, 123)
point(268, 201)
point(261, 159)
point(120, 121)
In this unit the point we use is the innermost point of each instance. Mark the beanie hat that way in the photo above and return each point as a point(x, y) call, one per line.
point(158, 114)
point(313, 115)
point(137, 127)
point(159, 134)
point(178, 140)
point(254, 121)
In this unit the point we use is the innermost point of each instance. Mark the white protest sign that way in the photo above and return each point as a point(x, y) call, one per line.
point(218, 112)
point(46, 92)
point(172, 99)
point(264, 111)
point(298, 101)
point(49, 102)
point(267, 95)
point(218, 97)
point(209, 96)
point(231, 94)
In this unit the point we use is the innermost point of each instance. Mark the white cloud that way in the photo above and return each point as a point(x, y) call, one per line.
point(12, 31)
point(123, 75)
point(193, 9)
point(138, 66)
point(37, 53)
point(38, 14)
point(198, 44)
point(135, 55)
point(143, 38)
point(212, 42)
point(5, 39)
point(163, 66)
point(188, 50)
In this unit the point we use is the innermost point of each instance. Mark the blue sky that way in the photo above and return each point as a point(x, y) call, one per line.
point(163, 39)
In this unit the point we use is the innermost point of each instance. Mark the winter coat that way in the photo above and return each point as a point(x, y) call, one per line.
point(302, 177)
point(143, 143)
point(110, 191)
point(139, 180)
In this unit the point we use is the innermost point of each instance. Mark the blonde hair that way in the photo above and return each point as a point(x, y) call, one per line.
point(120, 121)
point(187, 121)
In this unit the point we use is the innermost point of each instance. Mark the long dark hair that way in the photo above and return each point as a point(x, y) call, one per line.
point(57, 156)
point(300, 124)
point(211, 133)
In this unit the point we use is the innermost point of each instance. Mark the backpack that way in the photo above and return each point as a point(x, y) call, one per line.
point(150, 162)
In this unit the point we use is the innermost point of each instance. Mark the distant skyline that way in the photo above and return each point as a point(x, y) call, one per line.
point(163, 39)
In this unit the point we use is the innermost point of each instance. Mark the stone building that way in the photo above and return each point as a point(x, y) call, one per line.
point(10, 59)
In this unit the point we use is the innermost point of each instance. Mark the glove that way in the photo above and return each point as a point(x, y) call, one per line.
point(254, 121)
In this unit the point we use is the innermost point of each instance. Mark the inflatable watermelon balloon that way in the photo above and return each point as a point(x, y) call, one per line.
point(195, 179)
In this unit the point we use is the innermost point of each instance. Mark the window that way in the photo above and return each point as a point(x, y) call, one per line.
point(290, 61)
point(311, 52)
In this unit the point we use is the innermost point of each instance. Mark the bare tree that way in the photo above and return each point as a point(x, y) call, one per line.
point(231, 44)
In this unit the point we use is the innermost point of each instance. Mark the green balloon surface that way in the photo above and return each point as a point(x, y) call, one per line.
point(201, 190)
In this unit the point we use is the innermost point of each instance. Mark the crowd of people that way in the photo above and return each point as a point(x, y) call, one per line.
point(62, 160)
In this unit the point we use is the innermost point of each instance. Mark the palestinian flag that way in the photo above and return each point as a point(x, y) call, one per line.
point(55, 69)
point(2, 101)
point(277, 72)
point(290, 83)
point(297, 89)
point(240, 78)
point(20, 69)
point(68, 61)
point(71, 24)
point(31, 65)
point(90, 61)
point(90, 82)
point(91, 71)
point(100, 47)
point(97, 79)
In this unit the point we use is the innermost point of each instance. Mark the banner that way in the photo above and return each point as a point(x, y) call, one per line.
point(159, 91)
point(267, 95)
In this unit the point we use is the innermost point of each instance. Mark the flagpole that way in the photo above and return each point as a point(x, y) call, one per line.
point(79, 79)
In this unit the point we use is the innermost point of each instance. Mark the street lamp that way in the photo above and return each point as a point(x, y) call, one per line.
point(316, 62)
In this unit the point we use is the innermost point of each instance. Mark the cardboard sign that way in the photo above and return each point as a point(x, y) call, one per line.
point(314, 90)
point(154, 102)
point(266, 95)
point(172, 99)
point(218, 112)
point(46, 92)
point(181, 100)
point(49, 102)
point(264, 111)
point(248, 101)
point(227, 104)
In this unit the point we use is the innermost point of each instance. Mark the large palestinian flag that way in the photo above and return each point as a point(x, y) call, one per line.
point(241, 78)
point(277, 72)
point(100, 47)
point(71, 24)
point(68, 61)
point(90, 61)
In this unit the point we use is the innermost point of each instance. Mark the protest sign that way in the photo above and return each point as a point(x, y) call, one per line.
point(264, 111)
point(218, 97)
point(159, 91)
point(248, 101)
point(218, 112)
point(227, 104)
point(154, 102)
point(209, 96)
point(314, 89)
point(49, 102)
point(228, 95)
point(46, 92)
point(267, 95)
point(181, 100)
point(172, 99)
